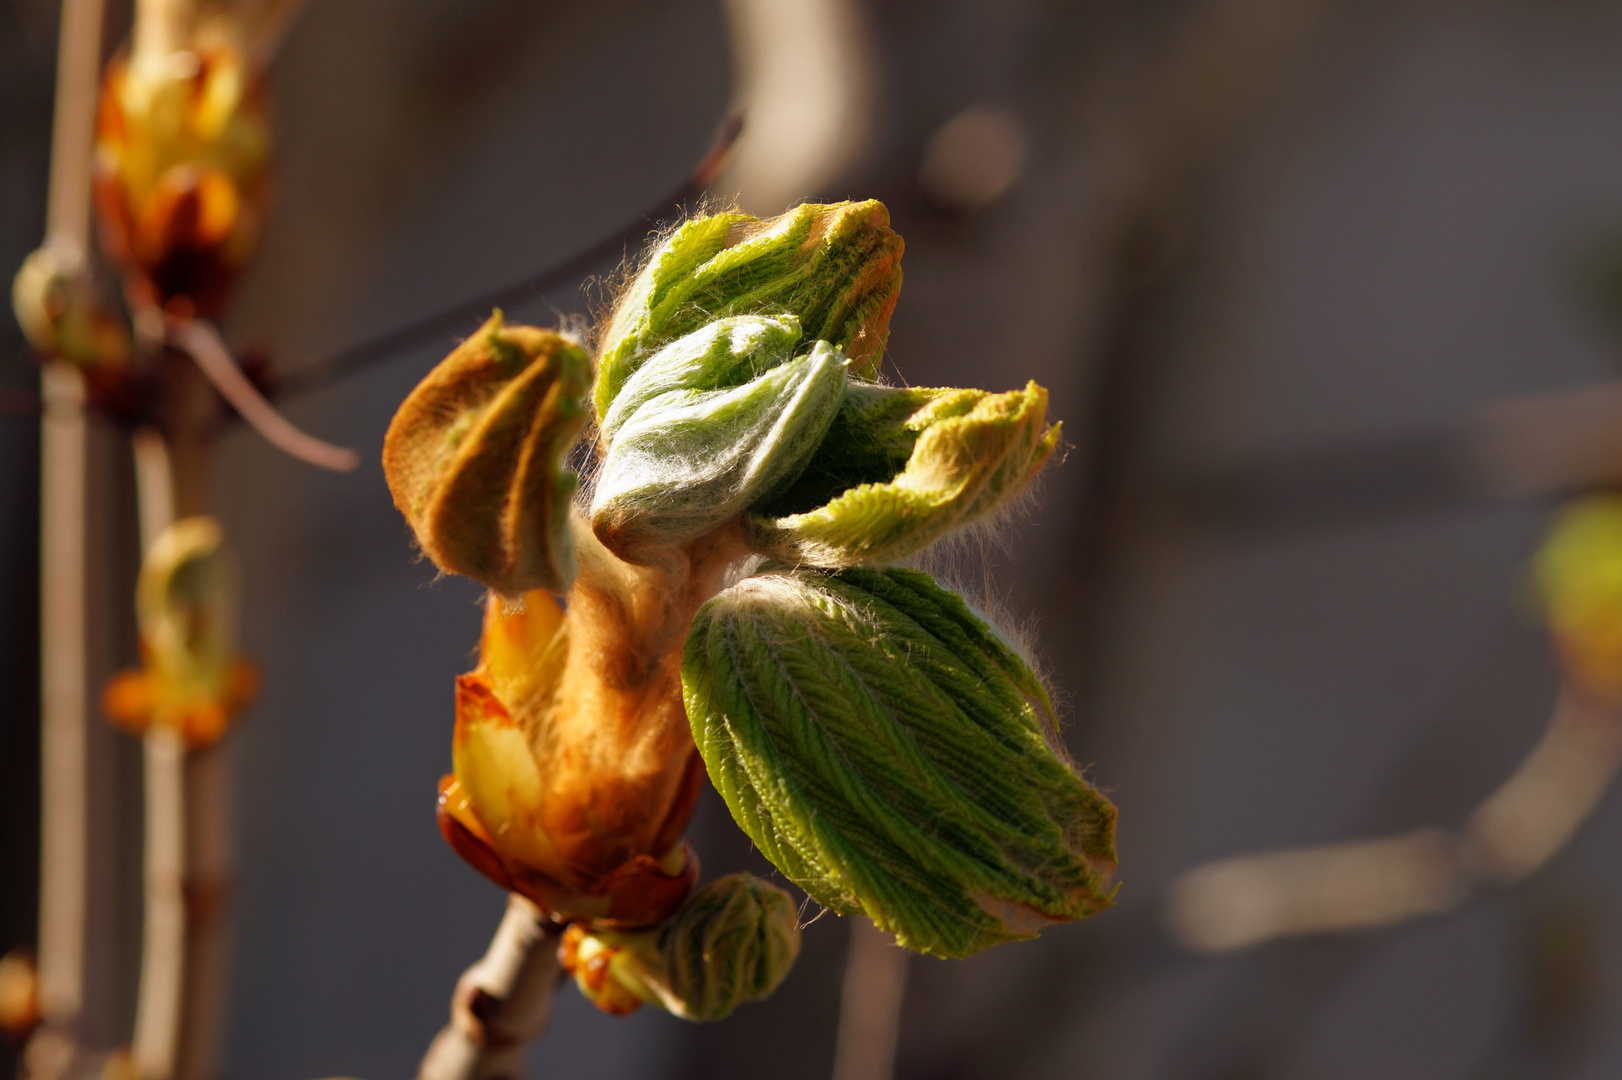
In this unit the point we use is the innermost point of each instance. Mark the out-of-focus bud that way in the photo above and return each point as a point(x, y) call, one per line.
point(474, 457)
point(836, 268)
point(182, 176)
point(543, 803)
point(191, 680)
point(1579, 574)
point(732, 943)
point(64, 314)
point(693, 439)
point(900, 468)
point(19, 993)
point(891, 754)
point(607, 967)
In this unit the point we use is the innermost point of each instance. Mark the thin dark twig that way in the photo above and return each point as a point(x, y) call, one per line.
point(322, 372)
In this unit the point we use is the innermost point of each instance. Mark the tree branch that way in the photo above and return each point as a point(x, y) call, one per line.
point(501, 1004)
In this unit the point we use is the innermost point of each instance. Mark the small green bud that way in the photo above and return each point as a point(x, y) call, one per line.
point(683, 460)
point(890, 753)
point(837, 268)
point(733, 942)
point(900, 468)
point(474, 457)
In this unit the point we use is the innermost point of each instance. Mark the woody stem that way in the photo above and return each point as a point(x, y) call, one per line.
point(501, 1004)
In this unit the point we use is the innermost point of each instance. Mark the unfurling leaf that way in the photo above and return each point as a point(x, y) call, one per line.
point(889, 753)
point(733, 942)
point(836, 268)
point(900, 468)
point(474, 457)
point(696, 437)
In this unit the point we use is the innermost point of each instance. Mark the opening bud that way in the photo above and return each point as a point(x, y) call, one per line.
point(474, 457)
point(836, 268)
point(182, 172)
point(545, 801)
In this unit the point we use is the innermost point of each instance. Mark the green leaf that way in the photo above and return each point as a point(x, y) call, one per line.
point(687, 460)
point(724, 354)
point(836, 268)
point(890, 753)
point(901, 468)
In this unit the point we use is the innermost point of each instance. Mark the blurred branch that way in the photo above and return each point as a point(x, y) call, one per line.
point(315, 374)
point(1244, 901)
point(201, 341)
point(501, 1004)
point(870, 1007)
point(805, 76)
point(64, 793)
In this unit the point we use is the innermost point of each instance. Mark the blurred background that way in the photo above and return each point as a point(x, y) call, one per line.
point(1274, 259)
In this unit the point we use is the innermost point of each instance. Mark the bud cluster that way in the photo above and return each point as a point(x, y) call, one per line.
point(878, 741)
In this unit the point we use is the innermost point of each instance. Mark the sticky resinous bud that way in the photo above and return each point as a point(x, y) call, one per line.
point(836, 268)
point(191, 679)
point(182, 167)
point(892, 755)
point(711, 424)
point(475, 457)
point(733, 942)
point(547, 800)
point(900, 468)
point(1578, 572)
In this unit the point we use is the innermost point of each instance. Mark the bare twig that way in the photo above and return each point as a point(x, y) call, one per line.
point(156, 1046)
point(64, 794)
point(870, 1007)
point(501, 1003)
point(64, 843)
point(163, 940)
point(1244, 901)
point(180, 1007)
point(202, 342)
point(315, 374)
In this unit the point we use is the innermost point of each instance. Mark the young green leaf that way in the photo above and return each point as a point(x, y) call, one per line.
point(889, 753)
point(687, 460)
point(901, 468)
